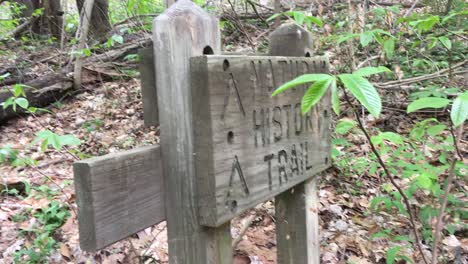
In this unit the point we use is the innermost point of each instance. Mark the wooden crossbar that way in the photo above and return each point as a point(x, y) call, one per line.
point(118, 195)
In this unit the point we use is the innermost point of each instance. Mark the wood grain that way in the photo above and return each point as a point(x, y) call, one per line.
point(148, 86)
point(297, 208)
point(118, 195)
point(250, 146)
point(182, 31)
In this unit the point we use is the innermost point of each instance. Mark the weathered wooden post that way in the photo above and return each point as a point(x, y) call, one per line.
point(227, 146)
point(297, 209)
point(182, 31)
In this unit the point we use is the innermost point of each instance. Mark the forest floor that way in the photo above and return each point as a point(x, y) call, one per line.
point(108, 117)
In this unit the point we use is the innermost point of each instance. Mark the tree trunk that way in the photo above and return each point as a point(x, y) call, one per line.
point(54, 17)
point(100, 23)
point(51, 20)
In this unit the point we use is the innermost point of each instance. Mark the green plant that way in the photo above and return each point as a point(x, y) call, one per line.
point(49, 220)
point(300, 18)
point(49, 138)
point(422, 176)
point(93, 125)
point(459, 110)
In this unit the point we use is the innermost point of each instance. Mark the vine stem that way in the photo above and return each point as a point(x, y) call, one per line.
point(451, 176)
point(389, 176)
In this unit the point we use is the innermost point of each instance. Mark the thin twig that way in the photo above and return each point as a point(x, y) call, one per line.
point(389, 176)
point(369, 59)
point(245, 227)
point(256, 12)
point(448, 187)
point(441, 73)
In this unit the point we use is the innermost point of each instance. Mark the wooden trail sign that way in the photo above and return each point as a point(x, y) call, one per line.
point(250, 146)
point(226, 145)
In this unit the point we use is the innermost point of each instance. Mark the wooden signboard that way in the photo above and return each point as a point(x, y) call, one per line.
point(249, 146)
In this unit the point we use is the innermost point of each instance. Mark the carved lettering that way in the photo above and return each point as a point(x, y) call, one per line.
point(232, 85)
point(273, 78)
point(287, 109)
point(306, 156)
point(259, 128)
point(267, 125)
point(269, 158)
point(298, 119)
point(282, 166)
point(278, 133)
point(256, 80)
point(236, 167)
point(294, 161)
point(308, 122)
point(285, 76)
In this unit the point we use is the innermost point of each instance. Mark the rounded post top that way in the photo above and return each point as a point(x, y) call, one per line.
point(290, 29)
point(291, 40)
point(182, 8)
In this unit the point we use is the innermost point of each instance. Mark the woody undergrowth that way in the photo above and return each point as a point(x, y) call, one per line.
point(419, 167)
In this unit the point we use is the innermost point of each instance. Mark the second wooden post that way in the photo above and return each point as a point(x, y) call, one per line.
point(296, 208)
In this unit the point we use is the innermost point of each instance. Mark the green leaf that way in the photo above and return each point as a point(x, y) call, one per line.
point(425, 181)
point(380, 235)
point(392, 254)
point(459, 112)
point(346, 37)
point(435, 130)
point(274, 16)
point(344, 126)
point(392, 137)
point(299, 17)
point(427, 102)
point(366, 38)
point(364, 92)
point(4, 76)
point(446, 42)
point(306, 78)
point(69, 140)
point(402, 238)
point(378, 199)
point(425, 24)
point(368, 71)
point(314, 93)
point(18, 90)
point(432, 44)
point(335, 98)
point(389, 48)
point(8, 102)
point(87, 52)
point(22, 102)
point(315, 20)
point(118, 39)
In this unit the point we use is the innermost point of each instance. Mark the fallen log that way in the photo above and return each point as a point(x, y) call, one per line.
point(40, 92)
point(52, 87)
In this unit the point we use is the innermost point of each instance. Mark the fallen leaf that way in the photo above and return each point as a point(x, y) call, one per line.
point(65, 251)
point(451, 241)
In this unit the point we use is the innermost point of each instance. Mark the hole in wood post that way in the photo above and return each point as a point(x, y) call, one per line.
point(208, 50)
point(326, 160)
point(230, 137)
point(233, 205)
point(225, 65)
point(325, 113)
point(307, 54)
